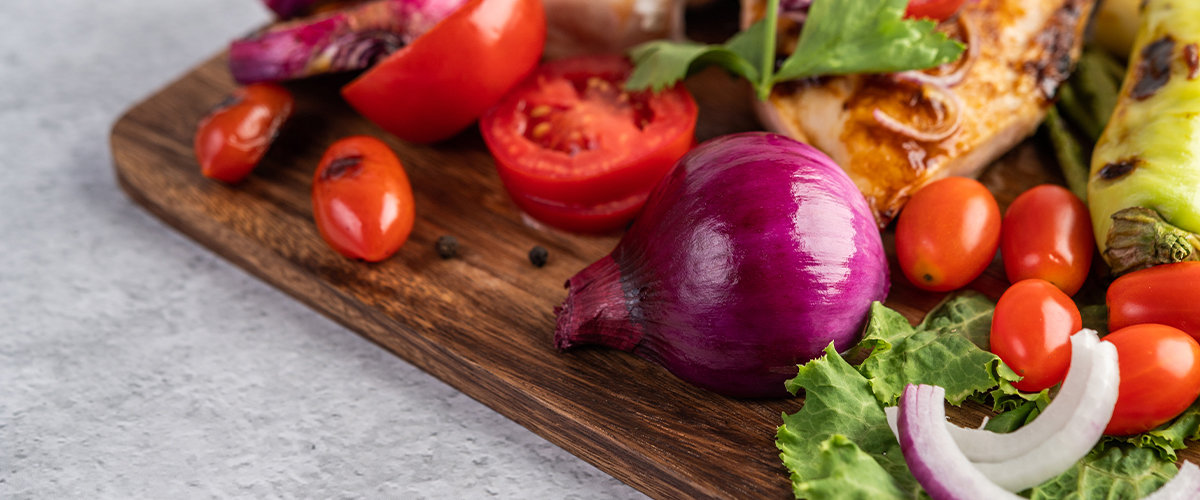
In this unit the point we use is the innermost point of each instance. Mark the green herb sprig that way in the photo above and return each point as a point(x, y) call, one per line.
point(840, 37)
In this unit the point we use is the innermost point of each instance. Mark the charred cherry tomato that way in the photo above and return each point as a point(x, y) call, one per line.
point(1047, 234)
point(1031, 332)
point(578, 151)
point(1160, 377)
point(443, 81)
point(947, 234)
point(1166, 294)
point(232, 139)
point(362, 200)
point(939, 10)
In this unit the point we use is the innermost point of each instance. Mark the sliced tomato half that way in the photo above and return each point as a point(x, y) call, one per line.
point(442, 82)
point(572, 136)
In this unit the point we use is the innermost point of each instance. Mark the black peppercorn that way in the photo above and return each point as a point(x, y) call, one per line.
point(447, 246)
point(538, 256)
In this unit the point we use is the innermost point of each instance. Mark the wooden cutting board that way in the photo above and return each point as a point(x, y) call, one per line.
point(483, 322)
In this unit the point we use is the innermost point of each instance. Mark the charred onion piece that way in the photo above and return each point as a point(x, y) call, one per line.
point(946, 106)
point(344, 40)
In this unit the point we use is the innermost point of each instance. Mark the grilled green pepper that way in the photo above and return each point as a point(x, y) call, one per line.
point(1144, 184)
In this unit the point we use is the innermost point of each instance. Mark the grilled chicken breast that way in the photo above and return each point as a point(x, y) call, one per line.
point(895, 133)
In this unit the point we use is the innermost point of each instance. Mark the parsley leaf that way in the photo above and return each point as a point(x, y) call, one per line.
point(839, 37)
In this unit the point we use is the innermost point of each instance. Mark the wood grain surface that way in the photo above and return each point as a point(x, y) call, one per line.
point(483, 322)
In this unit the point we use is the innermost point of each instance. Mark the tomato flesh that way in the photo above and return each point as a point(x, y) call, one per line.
point(1160, 377)
point(947, 234)
point(1047, 234)
point(1031, 332)
point(1165, 294)
point(570, 141)
point(939, 10)
point(234, 137)
point(362, 200)
point(442, 82)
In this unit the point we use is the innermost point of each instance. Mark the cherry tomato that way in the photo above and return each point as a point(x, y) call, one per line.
point(572, 141)
point(947, 234)
point(442, 82)
point(940, 10)
point(362, 200)
point(232, 139)
point(1031, 332)
point(1165, 294)
point(1047, 234)
point(1160, 377)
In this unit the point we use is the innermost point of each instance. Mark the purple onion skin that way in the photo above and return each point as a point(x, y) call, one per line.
point(752, 255)
point(345, 40)
point(290, 8)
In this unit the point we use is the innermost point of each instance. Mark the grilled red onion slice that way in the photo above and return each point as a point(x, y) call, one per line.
point(945, 103)
point(344, 40)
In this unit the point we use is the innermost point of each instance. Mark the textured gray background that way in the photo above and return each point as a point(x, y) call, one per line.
point(136, 364)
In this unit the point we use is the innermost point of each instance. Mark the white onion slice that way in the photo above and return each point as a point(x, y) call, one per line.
point(1184, 486)
point(931, 454)
point(987, 446)
point(981, 445)
point(1083, 428)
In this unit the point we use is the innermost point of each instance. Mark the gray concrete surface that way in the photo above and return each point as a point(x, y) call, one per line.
point(136, 364)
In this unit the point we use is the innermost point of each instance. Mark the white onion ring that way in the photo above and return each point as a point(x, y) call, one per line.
point(953, 108)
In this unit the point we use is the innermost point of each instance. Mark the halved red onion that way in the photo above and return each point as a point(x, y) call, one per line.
point(1184, 486)
point(932, 455)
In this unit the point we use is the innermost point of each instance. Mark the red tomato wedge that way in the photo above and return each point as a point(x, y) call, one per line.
point(232, 139)
point(570, 135)
point(442, 82)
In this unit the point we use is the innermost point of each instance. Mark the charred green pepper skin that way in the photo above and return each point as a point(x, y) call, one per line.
point(1149, 154)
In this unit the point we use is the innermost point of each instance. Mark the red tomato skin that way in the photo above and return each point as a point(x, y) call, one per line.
point(1160, 377)
point(601, 187)
point(438, 85)
point(1031, 332)
point(939, 10)
point(1166, 294)
point(232, 139)
point(612, 171)
point(947, 234)
point(362, 200)
point(593, 219)
point(1047, 234)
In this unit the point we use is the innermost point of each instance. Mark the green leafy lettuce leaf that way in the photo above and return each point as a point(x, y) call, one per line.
point(936, 352)
point(1167, 438)
point(838, 445)
point(839, 37)
point(865, 36)
point(1117, 472)
point(839, 401)
point(845, 471)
